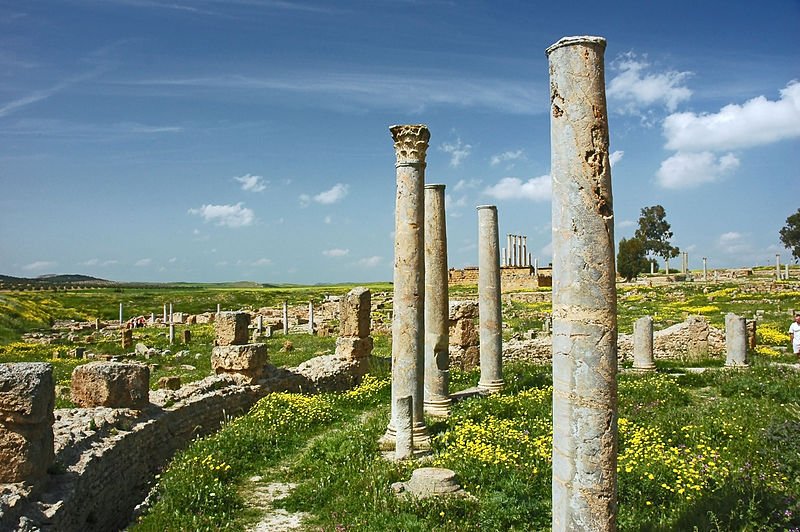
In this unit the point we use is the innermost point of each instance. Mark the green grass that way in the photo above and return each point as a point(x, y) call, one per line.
point(716, 451)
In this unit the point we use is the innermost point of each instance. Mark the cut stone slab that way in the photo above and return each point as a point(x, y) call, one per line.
point(111, 384)
point(248, 360)
point(354, 313)
point(232, 328)
point(353, 347)
point(27, 393)
point(427, 482)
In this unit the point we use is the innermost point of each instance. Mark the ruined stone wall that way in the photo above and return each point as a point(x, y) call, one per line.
point(511, 278)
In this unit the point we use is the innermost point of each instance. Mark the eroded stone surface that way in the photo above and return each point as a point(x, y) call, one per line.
point(354, 313)
point(354, 347)
point(247, 360)
point(112, 384)
point(231, 328)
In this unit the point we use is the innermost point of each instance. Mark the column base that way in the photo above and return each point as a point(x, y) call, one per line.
point(493, 386)
point(735, 365)
point(644, 368)
point(439, 407)
point(419, 435)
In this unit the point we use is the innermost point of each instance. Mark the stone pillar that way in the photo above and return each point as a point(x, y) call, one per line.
point(536, 268)
point(127, 338)
point(354, 341)
point(584, 291)
point(666, 265)
point(120, 310)
point(171, 315)
point(525, 251)
point(26, 421)
point(405, 431)
point(503, 257)
point(97, 324)
point(219, 308)
point(508, 248)
point(260, 324)
point(310, 317)
point(643, 344)
point(705, 269)
point(171, 332)
point(285, 317)
point(735, 341)
point(437, 335)
point(152, 318)
point(777, 274)
point(491, 319)
point(165, 313)
point(408, 335)
point(652, 268)
point(786, 271)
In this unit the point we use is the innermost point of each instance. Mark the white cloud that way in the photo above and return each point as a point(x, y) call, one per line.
point(261, 262)
point(335, 252)
point(467, 183)
point(535, 188)
point(370, 262)
point(625, 223)
point(91, 262)
point(328, 220)
point(143, 262)
point(734, 243)
point(507, 156)
point(458, 152)
point(756, 122)
point(226, 215)
point(305, 199)
point(173, 260)
point(688, 170)
point(333, 195)
point(252, 183)
point(39, 265)
point(615, 157)
point(451, 202)
point(634, 88)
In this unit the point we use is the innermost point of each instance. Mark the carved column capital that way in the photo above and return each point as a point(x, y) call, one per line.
point(410, 143)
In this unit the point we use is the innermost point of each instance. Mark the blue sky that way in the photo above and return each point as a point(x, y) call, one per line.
point(221, 140)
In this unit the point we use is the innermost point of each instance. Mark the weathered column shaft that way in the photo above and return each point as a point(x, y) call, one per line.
point(408, 334)
point(643, 344)
point(285, 317)
point(437, 330)
point(120, 313)
point(525, 251)
point(310, 317)
point(489, 311)
point(584, 292)
point(705, 270)
point(508, 250)
point(777, 272)
point(735, 340)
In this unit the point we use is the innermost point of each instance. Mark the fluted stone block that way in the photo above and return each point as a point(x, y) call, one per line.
point(111, 384)
point(232, 328)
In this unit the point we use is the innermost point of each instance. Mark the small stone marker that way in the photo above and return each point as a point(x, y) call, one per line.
point(427, 482)
point(232, 328)
point(404, 446)
point(171, 382)
point(643, 344)
point(78, 352)
point(127, 338)
point(735, 341)
point(187, 336)
point(111, 384)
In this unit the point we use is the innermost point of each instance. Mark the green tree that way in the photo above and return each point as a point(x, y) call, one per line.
point(790, 235)
point(631, 258)
point(654, 232)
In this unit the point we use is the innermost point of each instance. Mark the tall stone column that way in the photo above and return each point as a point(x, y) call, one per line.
point(777, 275)
point(705, 269)
point(408, 319)
point(735, 341)
point(285, 318)
point(525, 251)
point(120, 307)
point(310, 317)
point(584, 292)
point(437, 330)
point(489, 311)
point(643, 344)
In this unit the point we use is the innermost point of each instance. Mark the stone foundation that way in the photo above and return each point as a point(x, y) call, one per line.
point(247, 360)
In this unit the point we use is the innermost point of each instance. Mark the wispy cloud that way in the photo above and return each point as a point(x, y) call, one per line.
point(261, 262)
point(226, 215)
point(98, 262)
point(335, 252)
point(143, 262)
point(535, 188)
point(756, 122)
point(458, 151)
point(370, 262)
point(252, 183)
point(39, 265)
point(467, 183)
point(507, 156)
point(42, 94)
point(615, 157)
point(634, 88)
point(375, 90)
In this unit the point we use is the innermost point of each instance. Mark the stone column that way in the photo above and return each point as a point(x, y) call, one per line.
point(786, 271)
point(536, 268)
point(260, 324)
point(643, 344)
point(285, 318)
point(219, 308)
point(408, 335)
point(120, 309)
point(652, 268)
point(165, 314)
point(525, 251)
point(666, 265)
point(437, 334)
point(489, 311)
point(584, 292)
point(508, 250)
point(503, 256)
point(777, 276)
point(735, 341)
point(705, 269)
point(310, 317)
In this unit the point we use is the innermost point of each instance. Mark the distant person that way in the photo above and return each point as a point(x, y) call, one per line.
point(794, 332)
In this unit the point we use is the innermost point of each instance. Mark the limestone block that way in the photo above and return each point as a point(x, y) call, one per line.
point(27, 393)
point(248, 360)
point(232, 328)
point(463, 333)
point(171, 382)
point(26, 451)
point(354, 313)
point(353, 347)
point(463, 309)
point(111, 384)
point(127, 338)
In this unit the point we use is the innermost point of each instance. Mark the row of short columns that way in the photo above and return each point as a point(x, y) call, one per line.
point(420, 337)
